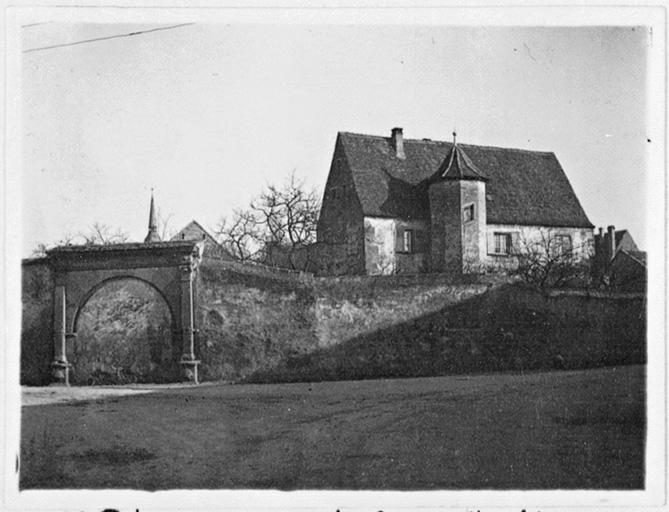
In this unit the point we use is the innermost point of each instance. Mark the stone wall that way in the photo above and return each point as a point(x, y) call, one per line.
point(251, 321)
point(36, 322)
point(507, 329)
point(261, 324)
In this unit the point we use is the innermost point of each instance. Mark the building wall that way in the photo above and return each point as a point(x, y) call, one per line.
point(417, 261)
point(340, 232)
point(446, 227)
point(384, 246)
point(379, 246)
point(582, 240)
point(473, 231)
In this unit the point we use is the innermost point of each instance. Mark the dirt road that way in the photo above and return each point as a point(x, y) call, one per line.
point(577, 429)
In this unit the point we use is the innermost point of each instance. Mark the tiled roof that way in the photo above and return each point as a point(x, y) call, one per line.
point(458, 166)
point(639, 256)
point(188, 229)
point(619, 236)
point(523, 187)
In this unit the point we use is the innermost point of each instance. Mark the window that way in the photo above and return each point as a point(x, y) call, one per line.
point(407, 240)
point(563, 244)
point(468, 213)
point(503, 244)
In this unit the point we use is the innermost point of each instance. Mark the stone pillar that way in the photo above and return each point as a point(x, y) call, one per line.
point(188, 362)
point(60, 368)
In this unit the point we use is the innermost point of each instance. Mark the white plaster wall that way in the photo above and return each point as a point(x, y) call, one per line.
point(582, 239)
point(474, 249)
point(379, 246)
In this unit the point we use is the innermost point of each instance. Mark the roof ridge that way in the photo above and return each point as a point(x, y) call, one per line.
point(450, 144)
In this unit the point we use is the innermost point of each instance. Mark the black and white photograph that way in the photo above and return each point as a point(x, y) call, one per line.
point(282, 257)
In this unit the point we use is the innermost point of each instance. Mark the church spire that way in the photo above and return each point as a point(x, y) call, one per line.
point(152, 235)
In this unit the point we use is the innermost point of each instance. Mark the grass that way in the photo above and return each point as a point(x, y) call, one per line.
point(551, 430)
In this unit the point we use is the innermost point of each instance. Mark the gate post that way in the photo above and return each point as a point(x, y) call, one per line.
point(60, 368)
point(188, 362)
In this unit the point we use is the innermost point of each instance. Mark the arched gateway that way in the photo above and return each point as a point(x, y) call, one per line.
point(169, 267)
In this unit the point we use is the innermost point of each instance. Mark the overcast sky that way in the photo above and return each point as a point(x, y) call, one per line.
point(208, 114)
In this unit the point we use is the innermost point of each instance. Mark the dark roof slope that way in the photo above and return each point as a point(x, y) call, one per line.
point(639, 256)
point(524, 187)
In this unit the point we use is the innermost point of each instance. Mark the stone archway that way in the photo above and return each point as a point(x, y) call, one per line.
point(124, 332)
point(169, 267)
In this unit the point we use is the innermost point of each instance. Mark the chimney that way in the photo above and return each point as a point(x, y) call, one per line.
point(611, 234)
point(397, 140)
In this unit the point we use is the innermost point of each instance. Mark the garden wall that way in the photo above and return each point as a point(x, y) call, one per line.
point(36, 322)
point(266, 327)
point(253, 319)
point(260, 324)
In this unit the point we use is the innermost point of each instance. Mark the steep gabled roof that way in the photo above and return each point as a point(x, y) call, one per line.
point(194, 231)
point(523, 187)
point(625, 241)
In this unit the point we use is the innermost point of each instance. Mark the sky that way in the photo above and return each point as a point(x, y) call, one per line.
point(207, 114)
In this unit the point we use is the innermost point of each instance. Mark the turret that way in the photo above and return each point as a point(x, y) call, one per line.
point(458, 214)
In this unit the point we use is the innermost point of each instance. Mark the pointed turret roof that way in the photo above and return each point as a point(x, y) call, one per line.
point(152, 235)
point(458, 166)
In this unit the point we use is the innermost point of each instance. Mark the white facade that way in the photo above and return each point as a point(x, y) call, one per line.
point(395, 246)
point(384, 240)
point(524, 238)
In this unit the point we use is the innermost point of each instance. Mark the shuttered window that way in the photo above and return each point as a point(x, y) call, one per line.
point(502, 244)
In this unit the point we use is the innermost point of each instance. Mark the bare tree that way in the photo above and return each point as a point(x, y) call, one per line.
point(97, 234)
point(288, 216)
point(102, 234)
point(165, 229)
point(240, 235)
point(278, 228)
point(41, 248)
point(551, 261)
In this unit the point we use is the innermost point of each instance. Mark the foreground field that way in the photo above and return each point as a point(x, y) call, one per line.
point(576, 429)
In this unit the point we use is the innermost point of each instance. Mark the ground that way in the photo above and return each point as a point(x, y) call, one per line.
point(572, 429)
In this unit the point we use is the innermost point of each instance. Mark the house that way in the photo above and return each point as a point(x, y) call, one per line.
point(194, 231)
point(395, 205)
point(618, 262)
